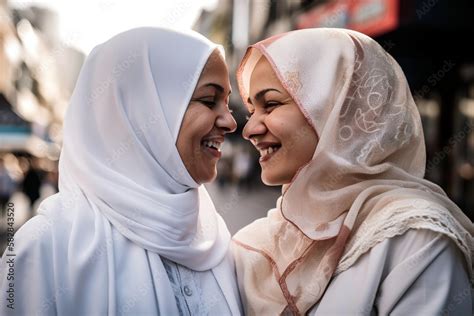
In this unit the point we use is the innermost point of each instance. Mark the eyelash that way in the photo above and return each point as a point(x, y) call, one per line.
point(270, 104)
point(266, 106)
point(209, 104)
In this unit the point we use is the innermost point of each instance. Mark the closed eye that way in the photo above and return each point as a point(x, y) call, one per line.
point(271, 104)
point(208, 103)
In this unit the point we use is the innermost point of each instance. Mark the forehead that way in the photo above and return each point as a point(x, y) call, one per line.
point(263, 76)
point(215, 65)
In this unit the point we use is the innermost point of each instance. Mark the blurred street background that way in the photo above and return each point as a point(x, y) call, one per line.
point(44, 43)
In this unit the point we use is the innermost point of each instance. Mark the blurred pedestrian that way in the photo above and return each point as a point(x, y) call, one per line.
point(31, 183)
point(7, 186)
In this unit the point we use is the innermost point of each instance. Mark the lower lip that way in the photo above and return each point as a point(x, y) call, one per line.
point(269, 156)
point(213, 152)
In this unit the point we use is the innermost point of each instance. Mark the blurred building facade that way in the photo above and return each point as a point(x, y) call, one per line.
point(38, 73)
point(37, 76)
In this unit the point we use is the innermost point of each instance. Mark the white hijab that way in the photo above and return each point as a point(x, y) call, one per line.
point(125, 196)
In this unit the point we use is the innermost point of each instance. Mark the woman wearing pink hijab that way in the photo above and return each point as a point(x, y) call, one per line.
point(357, 229)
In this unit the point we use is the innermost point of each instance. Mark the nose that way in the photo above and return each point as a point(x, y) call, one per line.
point(254, 127)
point(226, 121)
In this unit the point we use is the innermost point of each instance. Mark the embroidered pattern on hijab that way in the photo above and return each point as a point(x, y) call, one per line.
point(365, 181)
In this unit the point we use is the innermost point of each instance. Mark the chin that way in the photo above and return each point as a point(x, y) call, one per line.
point(271, 180)
point(208, 176)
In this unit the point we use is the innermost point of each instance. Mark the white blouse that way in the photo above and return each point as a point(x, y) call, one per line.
point(195, 292)
point(418, 273)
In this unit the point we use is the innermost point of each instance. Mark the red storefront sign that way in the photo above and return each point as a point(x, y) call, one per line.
point(372, 17)
point(331, 14)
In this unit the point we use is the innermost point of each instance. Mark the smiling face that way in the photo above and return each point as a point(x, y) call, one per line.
point(277, 128)
point(206, 121)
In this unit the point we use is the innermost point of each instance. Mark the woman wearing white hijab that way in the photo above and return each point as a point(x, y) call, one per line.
point(357, 230)
point(132, 230)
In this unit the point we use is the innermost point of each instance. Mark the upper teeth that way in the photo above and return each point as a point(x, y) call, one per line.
point(267, 151)
point(213, 144)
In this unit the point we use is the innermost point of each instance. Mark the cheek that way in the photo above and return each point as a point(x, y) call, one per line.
point(298, 139)
point(278, 126)
point(305, 145)
point(201, 125)
point(289, 132)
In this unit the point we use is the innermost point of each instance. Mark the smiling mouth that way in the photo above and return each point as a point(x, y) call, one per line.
point(268, 152)
point(212, 147)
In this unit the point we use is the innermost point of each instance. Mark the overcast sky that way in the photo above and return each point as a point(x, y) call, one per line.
point(86, 23)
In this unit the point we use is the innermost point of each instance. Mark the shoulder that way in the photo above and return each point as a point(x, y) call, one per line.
point(37, 236)
point(29, 249)
point(418, 272)
point(413, 241)
point(423, 269)
point(36, 232)
point(414, 250)
point(397, 263)
point(29, 262)
point(419, 245)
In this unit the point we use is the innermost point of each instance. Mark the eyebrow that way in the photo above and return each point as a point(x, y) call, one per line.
point(217, 87)
point(259, 95)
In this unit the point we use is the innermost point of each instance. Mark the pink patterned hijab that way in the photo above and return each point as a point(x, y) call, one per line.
point(364, 183)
